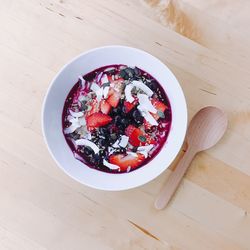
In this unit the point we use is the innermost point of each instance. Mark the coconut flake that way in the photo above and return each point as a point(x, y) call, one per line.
point(110, 165)
point(146, 104)
point(149, 118)
point(132, 154)
point(98, 77)
point(139, 85)
point(143, 87)
point(88, 136)
point(104, 79)
point(75, 122)
point(105, 92)
point(116, 143)
point(82, 121)
point(70, 129)
point(111, 150)
point(78, 157)
point(98, 91)
point(123, 141)
point(128, 94)
point(82, 81)
point(145, 149)
point(95, 87)
point(85, 142)
point(75, 114)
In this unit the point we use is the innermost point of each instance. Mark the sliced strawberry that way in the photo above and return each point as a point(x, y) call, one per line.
point(147, 125)
point(125, 161)
point(129, 130)
point(136, 136)
point(93, 107)
point(129, 106)
point(97, 120)
point(160, 107)
point(105, 107)
point(114, 98)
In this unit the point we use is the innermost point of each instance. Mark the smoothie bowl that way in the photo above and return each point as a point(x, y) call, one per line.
point(114, 118)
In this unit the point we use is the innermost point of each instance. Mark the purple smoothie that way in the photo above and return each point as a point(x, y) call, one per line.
point(80, 102)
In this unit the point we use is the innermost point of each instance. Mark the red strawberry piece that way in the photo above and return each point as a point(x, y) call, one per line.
point(93, 107)
point(129, 130)
point(129, 106)
point(160, 107)
point(97, 120)
point(136, 136)
point(105, 107)
point(147, 125)
point(114, 98)
point(125, 161)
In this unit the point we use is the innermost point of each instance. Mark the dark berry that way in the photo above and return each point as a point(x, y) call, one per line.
point(103, 130)
point(88, 151)
point(116, 111)
point(138, 118)
point(124, 74)
point(137, 71)
point(113, 137)
point(136, 113)
point(152, 85)
point(117, 120)
point(102, 142)
point(75, 136)
point(124, 122)
point(130, 72)
point(103, 153)
point(96, 159)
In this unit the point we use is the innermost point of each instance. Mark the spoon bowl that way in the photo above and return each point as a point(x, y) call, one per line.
point(206, 128)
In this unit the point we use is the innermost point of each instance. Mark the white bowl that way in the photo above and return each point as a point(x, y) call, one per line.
point(54, 102)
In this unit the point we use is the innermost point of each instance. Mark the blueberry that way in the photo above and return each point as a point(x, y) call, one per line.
point(113, 137)
point(139, 122)
point(130, 72)
point(117, 110)
point(102, 142)
point(88, 151)
point(124, 122)
point(117, 120)
point(137, 71)
point(136, 113)
point(96, 159)
point(152, 85)
point(103, 153)
point(103, 131)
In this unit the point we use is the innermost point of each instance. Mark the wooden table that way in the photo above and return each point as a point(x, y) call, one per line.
point(206, 45)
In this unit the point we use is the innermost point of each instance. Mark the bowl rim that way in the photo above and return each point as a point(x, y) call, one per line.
point(180, 141)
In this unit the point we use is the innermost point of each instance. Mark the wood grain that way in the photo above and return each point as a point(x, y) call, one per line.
point(42, 208)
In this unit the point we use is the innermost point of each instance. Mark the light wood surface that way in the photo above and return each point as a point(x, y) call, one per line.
point(206, 45)
point(204, 131)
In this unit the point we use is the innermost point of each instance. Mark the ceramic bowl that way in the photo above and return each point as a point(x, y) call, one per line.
point(53, 107)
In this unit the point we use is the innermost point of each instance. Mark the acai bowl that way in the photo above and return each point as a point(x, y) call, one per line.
point(114, 118)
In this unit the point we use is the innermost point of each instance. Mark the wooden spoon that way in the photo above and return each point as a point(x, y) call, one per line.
point(205, 130)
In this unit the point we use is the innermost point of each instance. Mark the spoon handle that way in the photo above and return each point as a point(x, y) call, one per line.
point(174, 179)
